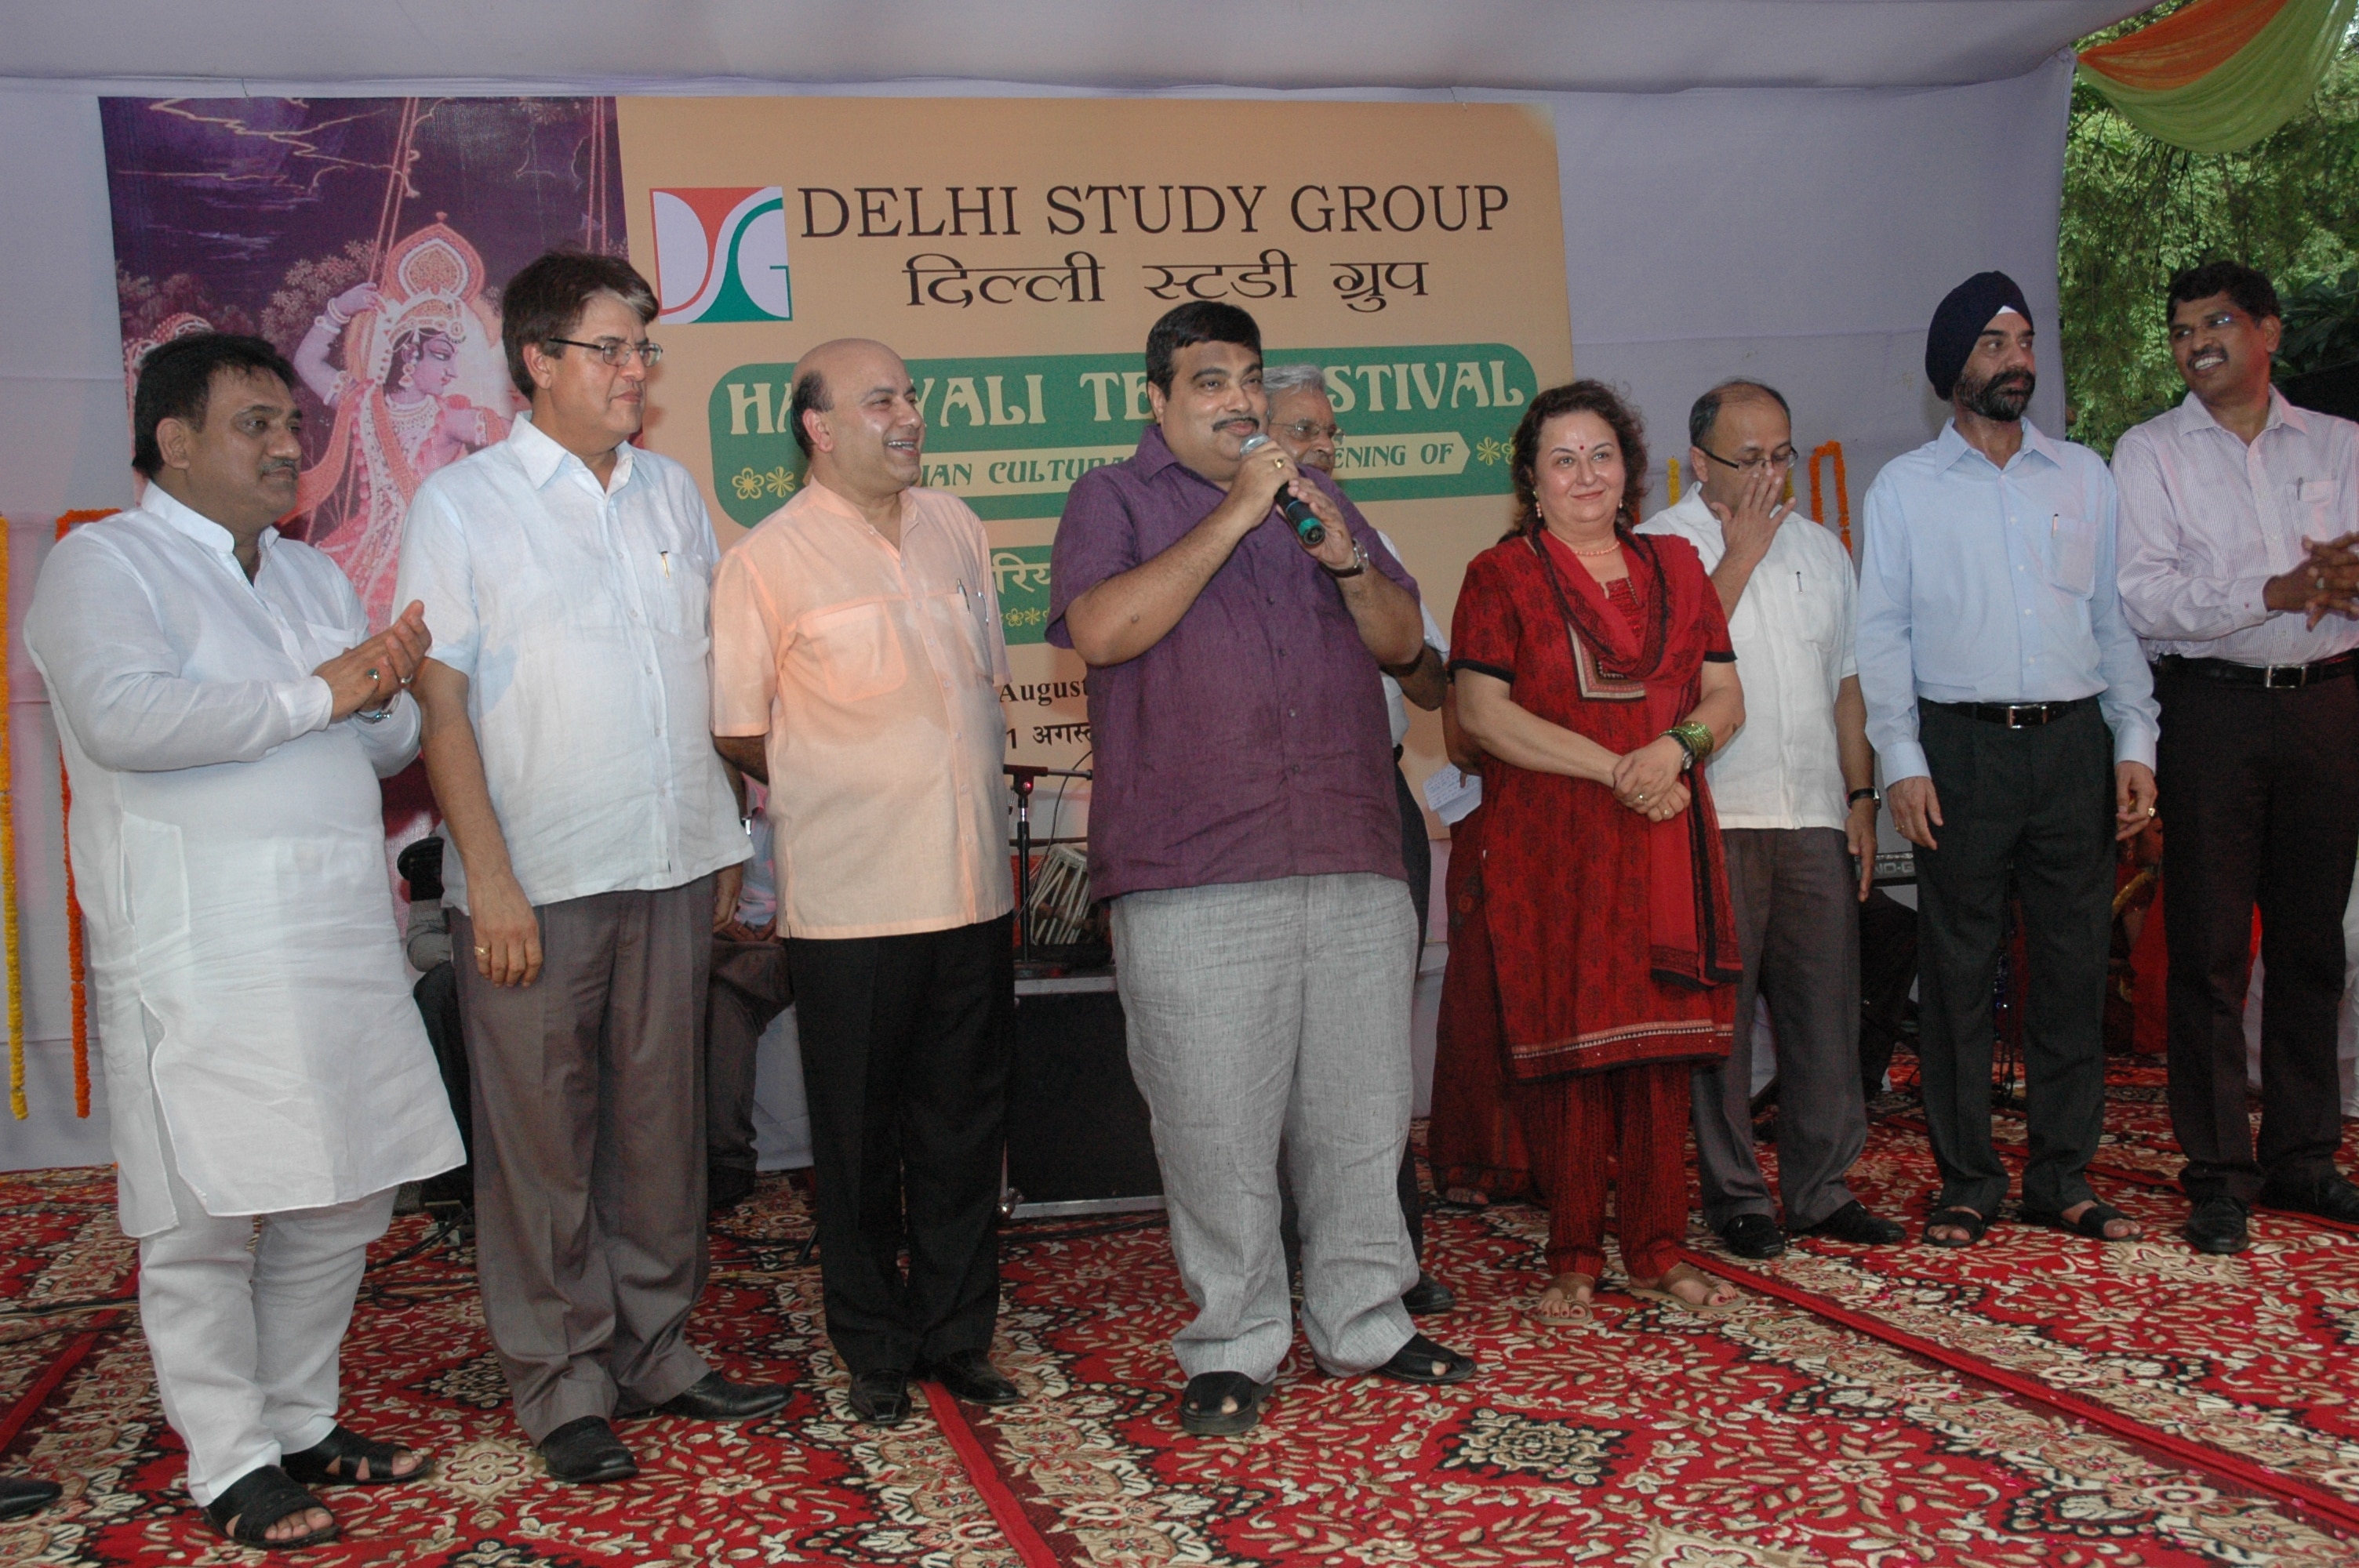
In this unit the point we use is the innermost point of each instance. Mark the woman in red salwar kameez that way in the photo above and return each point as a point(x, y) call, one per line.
point(1592, 667)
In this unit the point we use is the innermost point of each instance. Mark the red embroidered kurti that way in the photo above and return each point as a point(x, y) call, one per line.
point(1610, 935)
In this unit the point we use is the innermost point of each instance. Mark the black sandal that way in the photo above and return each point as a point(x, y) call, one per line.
point(318, 1465)
point(2091, 1223)
point(1422, 1361)
point(259, 1499)
point(1964, 1219)
point(1199, 1407)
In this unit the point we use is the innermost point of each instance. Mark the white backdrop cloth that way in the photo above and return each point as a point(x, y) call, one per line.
point(1801, 236)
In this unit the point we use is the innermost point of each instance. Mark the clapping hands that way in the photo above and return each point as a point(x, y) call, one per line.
point(2325, 583)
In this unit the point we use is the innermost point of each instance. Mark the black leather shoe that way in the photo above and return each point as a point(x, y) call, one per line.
point(586, 1450)
point(1854, 1224)
point(2217, 1226)
point(714, 1397)
point(969, 1376)
point(2329, 1197)
point(1427, 1297)
point(726, 1186)
point(881, 1399)
point(20, 1496)
point(1753, 1236)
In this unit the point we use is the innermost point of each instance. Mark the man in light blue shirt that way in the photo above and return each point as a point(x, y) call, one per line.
point(2015, 717)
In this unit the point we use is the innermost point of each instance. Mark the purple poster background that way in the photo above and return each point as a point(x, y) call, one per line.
point(368, 239)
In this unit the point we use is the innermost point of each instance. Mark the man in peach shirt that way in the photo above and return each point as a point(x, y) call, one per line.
point(857, 659)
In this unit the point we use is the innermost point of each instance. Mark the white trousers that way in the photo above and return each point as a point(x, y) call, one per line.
point(245, 1329)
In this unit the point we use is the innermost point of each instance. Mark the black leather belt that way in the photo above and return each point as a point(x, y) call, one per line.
point(2269, 677)
point(2015, 715)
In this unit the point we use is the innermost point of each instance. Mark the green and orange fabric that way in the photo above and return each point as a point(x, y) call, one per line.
point(2218, 75)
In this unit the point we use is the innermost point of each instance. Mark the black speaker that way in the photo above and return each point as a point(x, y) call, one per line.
point(1079, 1137)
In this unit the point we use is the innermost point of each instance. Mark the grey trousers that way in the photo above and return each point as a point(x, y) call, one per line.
point(1269, 1013)
point(2033, 808)
point(589, 1098)
point(1797, 905)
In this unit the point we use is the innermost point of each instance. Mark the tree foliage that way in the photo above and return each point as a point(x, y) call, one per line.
point(2137, 211)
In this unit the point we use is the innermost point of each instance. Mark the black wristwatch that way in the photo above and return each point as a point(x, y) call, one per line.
point(1864, 792)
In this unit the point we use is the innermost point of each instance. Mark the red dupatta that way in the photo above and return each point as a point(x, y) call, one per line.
point(1659, 663)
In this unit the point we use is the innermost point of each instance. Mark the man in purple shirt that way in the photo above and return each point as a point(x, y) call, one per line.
point(1241, 822)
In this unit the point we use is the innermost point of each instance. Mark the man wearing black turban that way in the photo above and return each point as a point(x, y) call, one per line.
point(2015, 720)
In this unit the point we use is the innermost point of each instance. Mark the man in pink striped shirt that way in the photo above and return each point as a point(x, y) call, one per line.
point(2239, 512)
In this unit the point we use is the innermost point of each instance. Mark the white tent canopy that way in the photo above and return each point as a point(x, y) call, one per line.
point(1615, 46)
point(1781, 189)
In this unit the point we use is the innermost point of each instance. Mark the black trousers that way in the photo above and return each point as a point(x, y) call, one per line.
point(436, 995)
point(2029, 810)
point(905, 1052)
point(2261, 797)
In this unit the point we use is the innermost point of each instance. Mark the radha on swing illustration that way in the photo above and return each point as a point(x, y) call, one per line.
point(423, 383)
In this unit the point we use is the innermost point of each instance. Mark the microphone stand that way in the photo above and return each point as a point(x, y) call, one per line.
point(1023, 776)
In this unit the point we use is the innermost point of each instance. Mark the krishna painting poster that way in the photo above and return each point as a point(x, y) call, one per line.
point(368, 240)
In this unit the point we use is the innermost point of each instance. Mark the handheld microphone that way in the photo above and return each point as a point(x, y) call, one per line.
point(1290, 506)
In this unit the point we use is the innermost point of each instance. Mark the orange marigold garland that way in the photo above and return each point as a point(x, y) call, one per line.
point(1842, 490)
point(75, 962)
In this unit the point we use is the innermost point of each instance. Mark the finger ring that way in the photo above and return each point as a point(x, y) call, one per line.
point(407, 679)
point(2149, 811)
point(372, 674)
point(483, 952)
point(1642, 797)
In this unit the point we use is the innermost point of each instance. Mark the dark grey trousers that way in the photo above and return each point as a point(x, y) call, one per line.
point(1797, 905)
point(2030, 808)
point(749, 989)
point(590, 1151)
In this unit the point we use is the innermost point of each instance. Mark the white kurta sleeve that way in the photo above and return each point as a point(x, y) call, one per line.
point(115, 675)
point(391, 743)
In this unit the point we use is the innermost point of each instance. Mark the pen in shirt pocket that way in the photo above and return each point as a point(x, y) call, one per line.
point(664, 557)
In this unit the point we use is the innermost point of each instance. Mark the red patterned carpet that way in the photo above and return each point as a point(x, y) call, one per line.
point(2038, 1401)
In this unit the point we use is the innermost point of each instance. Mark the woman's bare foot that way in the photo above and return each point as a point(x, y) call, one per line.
point(2115, 1229)
point(1567, 1298)
point(1473, 1197)
point(1686, 1282)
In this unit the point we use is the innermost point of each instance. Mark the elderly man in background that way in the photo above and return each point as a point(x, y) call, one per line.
point(225, 717)
point(1796, 795)
point(2016, 719)
point(857, 662)
point(1303, 423)
point(2239, 512)
point(564, 573)
point(1243, 824)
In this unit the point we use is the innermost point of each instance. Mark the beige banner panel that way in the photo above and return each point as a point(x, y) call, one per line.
point(1016, 252)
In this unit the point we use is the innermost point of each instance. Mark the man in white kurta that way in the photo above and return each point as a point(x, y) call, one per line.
point(225, 717)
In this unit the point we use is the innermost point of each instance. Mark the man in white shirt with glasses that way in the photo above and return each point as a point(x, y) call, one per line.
point(1797, 800)
point(565, 576)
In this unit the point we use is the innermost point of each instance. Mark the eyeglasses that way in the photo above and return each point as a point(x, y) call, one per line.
point(1780, 461)
point(615, 351)
point(1307, 430)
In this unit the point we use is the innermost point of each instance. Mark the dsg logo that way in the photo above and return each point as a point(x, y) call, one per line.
point(721, 255)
